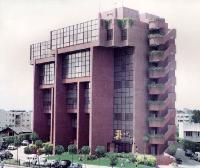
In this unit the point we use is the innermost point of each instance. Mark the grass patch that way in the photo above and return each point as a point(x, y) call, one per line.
point(102, 161)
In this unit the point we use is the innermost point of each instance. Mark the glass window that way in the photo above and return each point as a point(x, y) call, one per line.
point(76, 64)
point(189, 133)
point(109, 34)
point(71, 96)
point(123, 34)
point(47, 73)
point(47, 101)
point(123, 99)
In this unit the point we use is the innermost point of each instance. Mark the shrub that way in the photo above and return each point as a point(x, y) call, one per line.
point(38, 143)
point(171, 150)
point(48, 148)
point(85, 150)
point(72, 149)
point(59, 149)
point(148, 160)
point(91, 157)
point(113, 160)
point(33, 149)
point(9, 140)
point(100, 151)
point(40, 151)
point(27, 150)
point(193, 146)
point(33, 137)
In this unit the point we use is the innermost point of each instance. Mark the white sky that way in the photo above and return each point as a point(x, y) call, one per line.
point(24, 22)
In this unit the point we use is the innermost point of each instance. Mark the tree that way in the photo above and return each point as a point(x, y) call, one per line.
point(38, 143)
point(33, 137)
point(196, 116)
point(59, 149)
point(171, 150)
point(72, 149)
point(17, 143)
point(145, 140)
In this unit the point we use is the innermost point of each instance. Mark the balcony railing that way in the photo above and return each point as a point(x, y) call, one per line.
point(156, 88)
point(156, 72)
point(156, 105)
point(157, 23)
point(159, 38)
point(155, 56)
point(156, 121)
point(156, 139)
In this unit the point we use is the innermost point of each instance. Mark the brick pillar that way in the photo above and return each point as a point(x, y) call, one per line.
point(82, 119)
point(52, 116)
point(101, 117)
point(62, 120)
point(40, 119)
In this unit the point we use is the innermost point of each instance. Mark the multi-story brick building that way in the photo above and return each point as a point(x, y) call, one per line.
point(113, 75)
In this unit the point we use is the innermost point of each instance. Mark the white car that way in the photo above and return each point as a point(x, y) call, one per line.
point(197, 156)
point(25, 143)
point(30, 160)
point(11, 147)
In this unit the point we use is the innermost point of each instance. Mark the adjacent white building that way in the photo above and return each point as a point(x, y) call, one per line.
point(16, 118)
point(184, 115)
point(189, 131)
point(2, 119)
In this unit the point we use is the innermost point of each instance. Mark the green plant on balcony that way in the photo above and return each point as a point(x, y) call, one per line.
point(121, 23)
point(156, 53)
point(159, 119)
point(157, 35)
point(154, 68)
point(158, 86)
point(156, 102)
point(158, 136)
point(130, 22)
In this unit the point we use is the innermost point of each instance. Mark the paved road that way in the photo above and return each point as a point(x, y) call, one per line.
point(187, 162)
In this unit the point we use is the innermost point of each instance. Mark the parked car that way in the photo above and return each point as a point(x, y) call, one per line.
point(52, 163)
point(75, 165)
point(64, 163)
point(179, 161)
point(30, 160)
point(25, 143)
point(8, 155)
point(41, 162)
point(196, 156)
point(11, 147)
point(188, 153)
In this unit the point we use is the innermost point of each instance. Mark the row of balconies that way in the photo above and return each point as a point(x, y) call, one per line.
point(161, 38)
